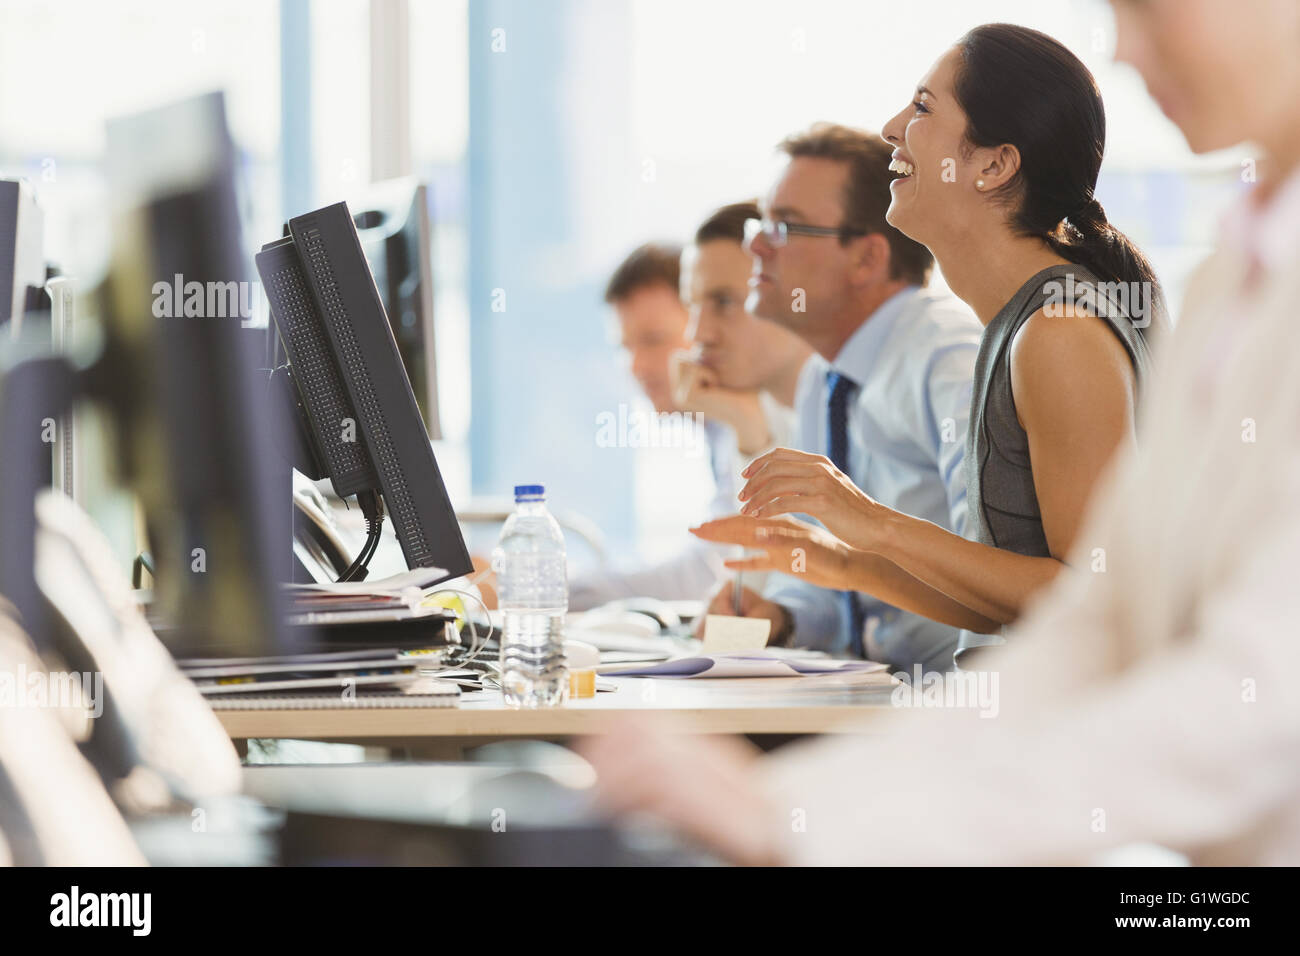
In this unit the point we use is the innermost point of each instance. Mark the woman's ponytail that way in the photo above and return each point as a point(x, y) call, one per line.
point(1087, 237)
point(1021, 87)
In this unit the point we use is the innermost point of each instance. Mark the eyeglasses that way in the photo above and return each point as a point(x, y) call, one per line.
point(778, 232)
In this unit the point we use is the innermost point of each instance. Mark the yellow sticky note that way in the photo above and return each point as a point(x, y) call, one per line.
point(582, 683)
point(724, 634)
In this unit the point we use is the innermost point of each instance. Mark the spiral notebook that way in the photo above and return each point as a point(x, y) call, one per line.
point(430, 693)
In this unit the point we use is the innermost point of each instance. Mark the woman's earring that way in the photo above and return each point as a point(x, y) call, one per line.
point(979, 184)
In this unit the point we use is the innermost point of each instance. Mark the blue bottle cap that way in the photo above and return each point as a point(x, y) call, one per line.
point(528, 491)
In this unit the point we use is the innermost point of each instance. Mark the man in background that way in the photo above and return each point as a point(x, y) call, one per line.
point(741, 370)
point(652, 321)
point(705, 355)
point(644, 293)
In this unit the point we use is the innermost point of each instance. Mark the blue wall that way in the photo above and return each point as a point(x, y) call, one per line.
point(543, 369)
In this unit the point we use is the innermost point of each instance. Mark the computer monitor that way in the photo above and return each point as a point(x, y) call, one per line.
point(393, 222)
point(198, 439)
point(361, 412)
point(22, 259)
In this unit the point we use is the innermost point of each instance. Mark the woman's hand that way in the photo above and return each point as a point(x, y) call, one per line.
point(788, 545)
point(785, 481)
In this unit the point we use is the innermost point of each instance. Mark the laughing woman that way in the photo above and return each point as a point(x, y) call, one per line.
point(997, 157)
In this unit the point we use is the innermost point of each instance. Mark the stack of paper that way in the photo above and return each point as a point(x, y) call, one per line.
point(395, 598)
point(385, 666)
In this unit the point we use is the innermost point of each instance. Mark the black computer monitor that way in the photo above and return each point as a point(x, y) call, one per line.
point(361, 413)
point(25, 320)
point(22, 259)
point(197, 439)
point(393, 222)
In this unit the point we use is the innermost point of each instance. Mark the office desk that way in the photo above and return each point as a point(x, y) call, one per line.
point(743, 706)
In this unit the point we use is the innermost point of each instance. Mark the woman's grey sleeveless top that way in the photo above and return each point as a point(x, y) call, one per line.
point(1003, 506)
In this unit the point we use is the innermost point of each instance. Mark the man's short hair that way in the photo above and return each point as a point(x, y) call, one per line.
point(866, 196)
point(728, 222)
point(648, 265)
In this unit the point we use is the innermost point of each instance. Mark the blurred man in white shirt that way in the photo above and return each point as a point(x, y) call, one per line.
point(656, 331)
point(740, 370)
point(644, 294)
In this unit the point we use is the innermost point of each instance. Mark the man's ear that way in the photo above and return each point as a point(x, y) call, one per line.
point(996, 166)
point(870, 257)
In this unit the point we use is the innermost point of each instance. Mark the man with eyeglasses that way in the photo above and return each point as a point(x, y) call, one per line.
point(886, 397)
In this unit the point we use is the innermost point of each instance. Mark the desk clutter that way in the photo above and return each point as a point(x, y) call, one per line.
point(383, 677)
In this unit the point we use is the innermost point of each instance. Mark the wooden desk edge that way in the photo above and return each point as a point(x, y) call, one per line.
point(345, 724)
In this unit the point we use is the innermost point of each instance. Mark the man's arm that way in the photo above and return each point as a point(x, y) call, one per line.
point(946, 390)
point(814, 612)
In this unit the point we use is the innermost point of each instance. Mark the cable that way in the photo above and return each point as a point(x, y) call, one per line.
point(372, 506)
point(476, 646)
point(143, 562)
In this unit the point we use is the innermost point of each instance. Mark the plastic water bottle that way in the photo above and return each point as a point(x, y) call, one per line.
point(533, 594)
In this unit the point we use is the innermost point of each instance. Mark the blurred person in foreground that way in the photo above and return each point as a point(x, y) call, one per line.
point(1158, 690)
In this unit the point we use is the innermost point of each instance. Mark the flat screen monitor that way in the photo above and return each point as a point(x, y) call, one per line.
point(393, 221)
point(198, 440)
point(352, 386)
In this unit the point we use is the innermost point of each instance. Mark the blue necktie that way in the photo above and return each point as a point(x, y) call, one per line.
point(842, 390)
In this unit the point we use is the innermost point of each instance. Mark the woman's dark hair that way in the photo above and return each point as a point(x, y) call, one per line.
point(1021, 87)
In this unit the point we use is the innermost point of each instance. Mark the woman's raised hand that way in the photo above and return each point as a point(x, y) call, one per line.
point(786, 545)
point(785, 481)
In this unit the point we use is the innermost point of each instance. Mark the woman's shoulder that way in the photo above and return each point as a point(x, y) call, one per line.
point(1068, 305)
point(1049, 334)
point(1061, 352)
